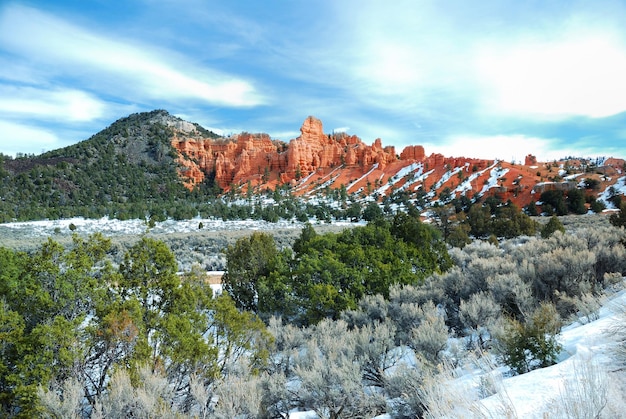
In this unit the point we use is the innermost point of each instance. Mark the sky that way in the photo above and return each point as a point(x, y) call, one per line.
point(488, 79)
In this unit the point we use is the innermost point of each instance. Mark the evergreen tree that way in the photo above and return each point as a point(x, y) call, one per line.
point(554, 224)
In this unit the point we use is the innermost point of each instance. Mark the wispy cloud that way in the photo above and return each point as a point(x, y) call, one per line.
point(472, 75)
point(513, 147)
point(124, 68)
point(67, 105)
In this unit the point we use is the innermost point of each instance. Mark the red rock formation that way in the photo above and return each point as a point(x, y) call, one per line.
point(339, 159)
point(530, 160)
point(246, 156)
point(413, 152)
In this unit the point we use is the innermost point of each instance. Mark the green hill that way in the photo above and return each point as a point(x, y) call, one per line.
point(128, 170)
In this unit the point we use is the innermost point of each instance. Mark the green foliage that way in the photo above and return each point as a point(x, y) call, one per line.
point(247, 264)
point(327, 274)
point(597, 205)
point(44, 299)
point(553, 225)
point(533, 344)
point(70, 314)
point(239, 334)
point(372, 212)
point(127, 170)
point(553, 202)
point(511, 222)
point(592, 184)
point(576, 201)
point(619, 219)
point(500, 221)
point(531, 209)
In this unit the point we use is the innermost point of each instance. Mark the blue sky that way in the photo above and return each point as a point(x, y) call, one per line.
point(490, 79)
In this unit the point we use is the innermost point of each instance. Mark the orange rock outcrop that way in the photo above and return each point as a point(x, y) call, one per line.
point(246, 157)
point(530, 160)
point(315, 159)
point(413, 152)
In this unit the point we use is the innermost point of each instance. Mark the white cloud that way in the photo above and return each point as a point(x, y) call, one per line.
point(501, 147)
point(116, 64)
point(419, 57)
point(582, 75)
point(18, 138)
point(70, 105)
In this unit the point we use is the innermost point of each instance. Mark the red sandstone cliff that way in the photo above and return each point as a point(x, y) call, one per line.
point(316, 159)
point(249, 157)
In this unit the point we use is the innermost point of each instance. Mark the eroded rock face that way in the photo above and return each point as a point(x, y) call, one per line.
point(530, 160)
point(249, 157)
point(413, 152)
point(315, 159)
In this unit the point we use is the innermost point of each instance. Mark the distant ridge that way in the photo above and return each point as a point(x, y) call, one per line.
point(155, 164)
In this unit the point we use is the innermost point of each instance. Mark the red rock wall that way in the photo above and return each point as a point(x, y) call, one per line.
point(246, 156)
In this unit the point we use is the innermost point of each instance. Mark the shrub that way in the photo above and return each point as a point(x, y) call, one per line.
point(619, 219)
point(553, 225)
point(477, 314)
point(404, 389)
point(330, 380)
point(530, 345)
point(431, 336)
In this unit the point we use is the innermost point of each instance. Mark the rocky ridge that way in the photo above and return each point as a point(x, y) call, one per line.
point(316, 160)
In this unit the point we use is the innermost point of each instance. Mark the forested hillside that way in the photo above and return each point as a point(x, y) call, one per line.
point(128, 170)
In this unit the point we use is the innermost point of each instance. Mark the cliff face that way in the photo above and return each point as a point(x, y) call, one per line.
point(316, 160)
point(253, 157)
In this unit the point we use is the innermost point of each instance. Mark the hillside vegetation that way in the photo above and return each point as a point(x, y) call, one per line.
point(128, 170)
point(350, 324)
point(153, 166)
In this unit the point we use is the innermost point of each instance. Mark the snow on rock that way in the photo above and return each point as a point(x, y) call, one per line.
point(400, 174)
point(572, 177)
point(303, 415)
point(495, 174)
point(466, 185)
point(618, 188)
point(374, 167)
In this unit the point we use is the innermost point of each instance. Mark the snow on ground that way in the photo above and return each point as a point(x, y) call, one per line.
point(374, 167)
point(399, 175)
point(302, 184)
point(466, 185)
point(417, 177)
point(574, 176)
point(444, 178)
point(109, 227)
point(618, 188)
point(323, 185)
point(531, 394)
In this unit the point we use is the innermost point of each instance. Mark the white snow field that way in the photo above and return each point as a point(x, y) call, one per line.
point(586, 356)
point(108, 226)
point(587, 376)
